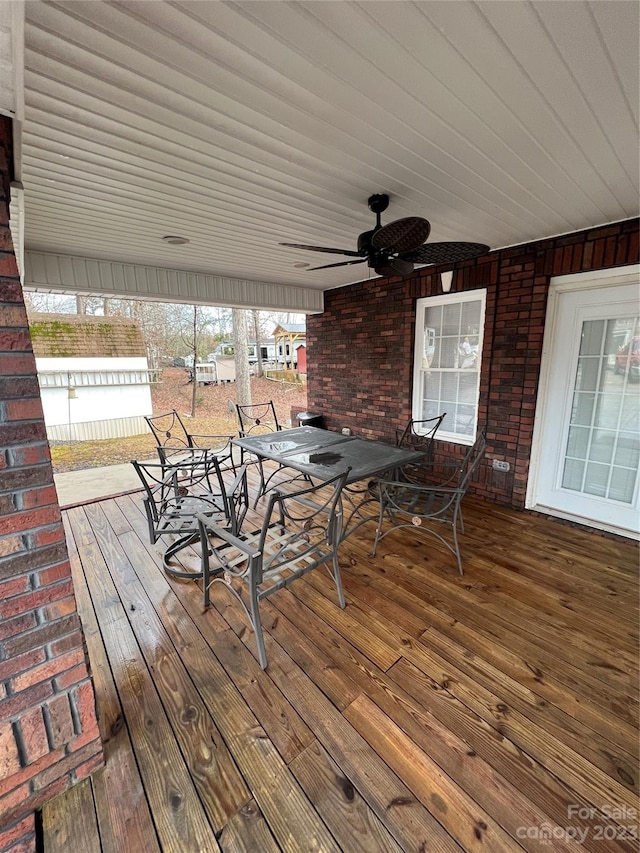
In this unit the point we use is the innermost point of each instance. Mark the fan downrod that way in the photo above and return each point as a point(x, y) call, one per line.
point(378, 203)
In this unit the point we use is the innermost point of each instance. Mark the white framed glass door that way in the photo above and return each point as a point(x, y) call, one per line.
point(587, 439)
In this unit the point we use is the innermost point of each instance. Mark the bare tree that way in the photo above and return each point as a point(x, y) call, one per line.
point(256, 332)
point(194, 384)
point(241, 344)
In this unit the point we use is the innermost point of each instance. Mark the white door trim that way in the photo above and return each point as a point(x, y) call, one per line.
point(558, 285)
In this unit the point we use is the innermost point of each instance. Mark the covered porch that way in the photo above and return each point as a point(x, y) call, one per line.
point(436, 712)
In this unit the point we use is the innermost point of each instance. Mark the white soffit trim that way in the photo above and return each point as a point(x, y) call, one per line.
point(45, 271)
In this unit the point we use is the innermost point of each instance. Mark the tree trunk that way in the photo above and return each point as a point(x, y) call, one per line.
point(241, 344)
point(81, 304)
point(256, 326)
point(194, 384)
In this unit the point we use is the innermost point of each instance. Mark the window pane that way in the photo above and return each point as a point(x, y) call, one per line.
point(583, 405)
point(622, 484)
point(450, 320)
point(588, 377)
point(602, 444)
point(578, 442)
point(596, 479)
point(591, 339)
point(468, 388)
point(572, 478)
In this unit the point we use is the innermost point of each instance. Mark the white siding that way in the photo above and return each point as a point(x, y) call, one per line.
point(121, 403)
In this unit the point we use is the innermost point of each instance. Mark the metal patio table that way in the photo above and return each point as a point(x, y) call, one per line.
point(321, 454)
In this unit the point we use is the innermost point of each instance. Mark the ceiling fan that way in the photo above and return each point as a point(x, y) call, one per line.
point(393, 249)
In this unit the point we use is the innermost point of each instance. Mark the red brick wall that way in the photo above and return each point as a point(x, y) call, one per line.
point(48, 731)
point(360, 350)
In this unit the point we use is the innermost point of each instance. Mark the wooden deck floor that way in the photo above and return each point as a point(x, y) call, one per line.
point(487, 712)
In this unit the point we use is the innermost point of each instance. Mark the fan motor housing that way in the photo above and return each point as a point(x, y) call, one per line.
point(386, 266)
point(364, 242)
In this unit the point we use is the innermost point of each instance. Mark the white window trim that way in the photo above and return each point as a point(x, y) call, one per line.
point(433, 301)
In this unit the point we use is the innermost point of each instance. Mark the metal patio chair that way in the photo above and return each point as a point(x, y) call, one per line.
point(255, 419)
point(300, 531)
point(175, 492)
point(417, 506)
point(173, 441)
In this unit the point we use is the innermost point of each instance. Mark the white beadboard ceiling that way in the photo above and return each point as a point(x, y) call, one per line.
point(242, 124)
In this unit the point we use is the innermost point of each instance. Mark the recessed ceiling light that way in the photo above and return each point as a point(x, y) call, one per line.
point(300, 266)
point(175, 241)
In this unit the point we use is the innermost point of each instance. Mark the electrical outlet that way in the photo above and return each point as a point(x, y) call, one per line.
point(500, 465)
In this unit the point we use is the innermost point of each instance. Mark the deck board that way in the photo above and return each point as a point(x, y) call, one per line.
point(435, 712)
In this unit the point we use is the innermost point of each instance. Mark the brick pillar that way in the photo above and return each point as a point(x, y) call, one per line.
point(49, 735)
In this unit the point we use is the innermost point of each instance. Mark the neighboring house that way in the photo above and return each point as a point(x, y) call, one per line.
point(289, 337)
point(93, 376)
point(278, 349)
point(226, 350)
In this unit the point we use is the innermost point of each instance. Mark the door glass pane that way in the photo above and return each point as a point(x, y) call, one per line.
point(603, 443)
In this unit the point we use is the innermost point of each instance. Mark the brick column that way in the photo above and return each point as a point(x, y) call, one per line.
point(49, 735)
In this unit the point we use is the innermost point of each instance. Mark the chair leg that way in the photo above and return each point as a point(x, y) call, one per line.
point(204, 564)
point(261, 486)
point(455, 541)
point(256, 624)
point(379, 530)
point(337, 577)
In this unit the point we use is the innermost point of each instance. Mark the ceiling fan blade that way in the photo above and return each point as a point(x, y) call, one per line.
point(402, 235)
point(393, 266)
point(339, 264)
point(322, 249)
point(445, 253)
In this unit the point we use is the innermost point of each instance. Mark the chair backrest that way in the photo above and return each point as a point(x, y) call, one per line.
point(257, 418)
point(169, 431)
point(419, 435)
point(300, 527)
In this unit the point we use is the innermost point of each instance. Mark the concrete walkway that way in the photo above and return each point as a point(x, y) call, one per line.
point(91, 484)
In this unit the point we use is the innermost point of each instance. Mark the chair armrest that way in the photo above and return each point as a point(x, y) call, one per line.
point(172, 456)
point(227, 537)
point(418, 487)
point(221, 439)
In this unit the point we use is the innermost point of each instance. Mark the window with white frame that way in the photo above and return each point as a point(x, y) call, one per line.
point(447, 354)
